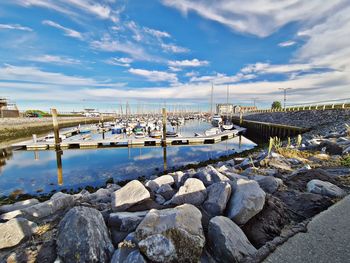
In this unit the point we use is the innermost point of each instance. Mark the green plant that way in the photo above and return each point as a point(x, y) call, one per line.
point(274, 143)
point(299, 140)
point(345, 161)
point(276, 105)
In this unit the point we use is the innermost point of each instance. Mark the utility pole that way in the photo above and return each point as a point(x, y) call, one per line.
point(285, 95)
point(254, 101)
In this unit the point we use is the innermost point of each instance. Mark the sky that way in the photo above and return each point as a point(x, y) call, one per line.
point(74, 54)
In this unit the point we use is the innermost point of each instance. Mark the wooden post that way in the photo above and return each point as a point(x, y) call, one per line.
point(59, 167)
point(164, 126)
point(35, 138)
point(103, 127)
point(56, 129)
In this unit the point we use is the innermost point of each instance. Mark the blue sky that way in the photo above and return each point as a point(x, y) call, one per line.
point(72, 54)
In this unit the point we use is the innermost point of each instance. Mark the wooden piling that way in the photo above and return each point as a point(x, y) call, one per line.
point(164, 126)
point(56, 129)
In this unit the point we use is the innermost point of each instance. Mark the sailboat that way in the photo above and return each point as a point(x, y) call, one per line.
point(215, 119)
point(227, 125)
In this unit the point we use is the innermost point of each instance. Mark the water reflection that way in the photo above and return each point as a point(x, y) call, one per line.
point(94, 167)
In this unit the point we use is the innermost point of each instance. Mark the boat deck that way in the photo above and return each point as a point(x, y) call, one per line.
point(128, 142)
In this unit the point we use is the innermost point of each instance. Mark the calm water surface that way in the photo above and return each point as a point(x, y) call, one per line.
point(36, 172)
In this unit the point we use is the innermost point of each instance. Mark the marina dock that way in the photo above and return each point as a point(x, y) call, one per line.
point(127, 142)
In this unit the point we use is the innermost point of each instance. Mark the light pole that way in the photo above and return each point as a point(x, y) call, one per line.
point(285, 95)
point(254, 101)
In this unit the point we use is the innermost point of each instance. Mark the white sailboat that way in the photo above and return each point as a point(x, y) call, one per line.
point(227, 125)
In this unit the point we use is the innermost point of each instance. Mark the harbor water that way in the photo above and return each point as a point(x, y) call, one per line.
point(36, 172)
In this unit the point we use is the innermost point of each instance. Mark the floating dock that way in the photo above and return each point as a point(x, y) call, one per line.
point(128, 142)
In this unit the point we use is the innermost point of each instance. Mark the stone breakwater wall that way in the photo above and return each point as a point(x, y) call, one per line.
point(307, 119)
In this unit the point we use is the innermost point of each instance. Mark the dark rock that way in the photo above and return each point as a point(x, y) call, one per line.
point(331, 148)
point(218, 196)
point(268, 224)
point(83, 237)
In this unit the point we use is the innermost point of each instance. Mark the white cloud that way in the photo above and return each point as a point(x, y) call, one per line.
point(287, 43)
point(220, 78)
point(154, 75)
point(266, 68)
point(136, 31)
point(174, 48)
point(257, 17)
point(188, 63)
point(15, 27)
point(67, 31)
point(74, 7)
point(55, 60)
point(123, 62)
point(174, 69)
point(157, 33)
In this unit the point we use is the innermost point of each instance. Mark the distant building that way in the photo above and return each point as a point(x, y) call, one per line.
point(8, 110)
point(227, 109)
point(224, 109)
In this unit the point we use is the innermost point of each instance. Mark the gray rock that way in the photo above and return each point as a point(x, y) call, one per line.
point(227, 241)
point(58, 202)
point(164, 179)
point(180, 178)
point(166, 191)
point(122, 253)
point(135, 257)
point(18, 205)
point(325, 188)
point(278, 163)
point(101, 195)
point(151, 185)
point(158, 248)
point(331, 148)
point(83, 237)
point(246, 201)
point(192, 192)
point(218, 196)
point(269, 184)
point(209, 175)
point(159, 199)
point(179, 228)
point(126, 221)
point(131, 194)
point(15, 231)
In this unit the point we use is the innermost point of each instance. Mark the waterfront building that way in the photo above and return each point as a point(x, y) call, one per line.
point(7, 109)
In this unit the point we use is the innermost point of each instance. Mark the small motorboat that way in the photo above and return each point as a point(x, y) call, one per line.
point(216, 120)
point(212, 131)
point(227, 125)
point(171, 134)
point(139, 134)
point(117, 129)
point(156, 134)
point(51, 137)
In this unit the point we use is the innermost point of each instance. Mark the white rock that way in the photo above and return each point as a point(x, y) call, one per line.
point(192, 192)
point(18, 205)
point(246, 201)
point(14, 231)
point(131, 194)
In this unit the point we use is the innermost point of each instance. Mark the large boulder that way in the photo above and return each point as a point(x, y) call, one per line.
point(209, 175)
point(267, 224)
point(154, 184)
point(218, 196)
point(325, 188)
point(269, 184)
point(58, 202)
point(131, 194)
point(18, 205)
point(192, 192)
point(246, 201)
point(172, 235)
point(83, 237)
point(227, 241)
point(14, 231)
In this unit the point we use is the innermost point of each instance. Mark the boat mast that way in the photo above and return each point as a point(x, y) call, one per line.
point(211, 99)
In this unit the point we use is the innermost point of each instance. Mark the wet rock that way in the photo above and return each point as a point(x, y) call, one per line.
point(267, 224)
point(83, 237)
point(209, 175)
point(218, 196)
point(131, 194)
point(331, 148)
point(269, 184)
point(58, 202)
point(192, 192)
point(246, 201)
point(18, 205)
point(15, 231)
point(325, 188)
point(227, 241)
point(180, 231)
point(166, 191)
